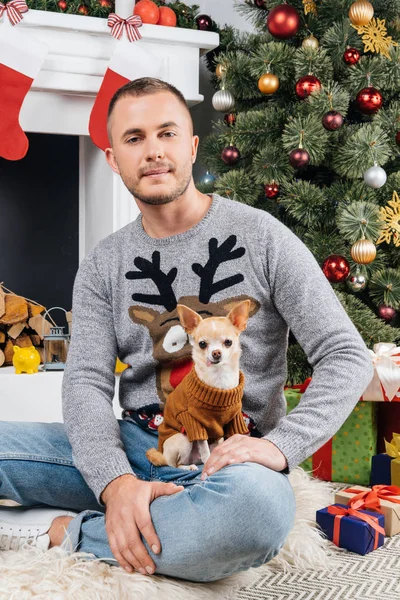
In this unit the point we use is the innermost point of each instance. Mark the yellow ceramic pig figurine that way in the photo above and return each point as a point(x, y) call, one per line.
point(26, 359)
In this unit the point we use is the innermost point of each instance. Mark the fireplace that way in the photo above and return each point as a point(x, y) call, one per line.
point(59, 106)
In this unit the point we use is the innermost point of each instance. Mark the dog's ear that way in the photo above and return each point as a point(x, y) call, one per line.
point(189, 318)
point(239, 315)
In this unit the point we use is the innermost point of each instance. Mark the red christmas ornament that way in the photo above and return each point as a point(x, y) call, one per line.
point(204, 22)
point(336, 268)
point(283, 21)
point(230, 155)
point(260, 3)
point(332, 120)
point(306, 85)
point(105, 3)
point(351, 56)
point(230, 119)
point(299, 158)
point(398, 138)
point(369, 100)
point(272, 190)
point(83, 10)
point(387, 313)
point(62, 5)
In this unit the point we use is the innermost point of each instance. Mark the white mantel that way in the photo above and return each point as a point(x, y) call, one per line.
point(63, 93)
point(60, 102)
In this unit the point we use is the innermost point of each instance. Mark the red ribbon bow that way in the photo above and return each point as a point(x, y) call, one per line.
point(340, 512)
point(370, 499)
point(131, 26)
point(14, 10)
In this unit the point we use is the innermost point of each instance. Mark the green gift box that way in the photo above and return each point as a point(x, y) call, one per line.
point(347, 456)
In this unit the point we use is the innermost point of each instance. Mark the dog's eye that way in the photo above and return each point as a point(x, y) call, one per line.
point(203, 345)
point(228, 343)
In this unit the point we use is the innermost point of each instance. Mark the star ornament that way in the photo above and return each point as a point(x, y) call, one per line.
point(391, 218)
point(309, 7)
point(375, 37)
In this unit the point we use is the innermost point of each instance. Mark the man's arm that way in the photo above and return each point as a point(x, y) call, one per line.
point(89, 382)
point(342, 367)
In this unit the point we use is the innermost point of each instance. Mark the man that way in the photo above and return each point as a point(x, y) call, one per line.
point(207, 252)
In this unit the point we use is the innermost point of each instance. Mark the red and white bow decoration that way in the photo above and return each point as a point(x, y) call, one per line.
point(14, 10)
point(131, 25)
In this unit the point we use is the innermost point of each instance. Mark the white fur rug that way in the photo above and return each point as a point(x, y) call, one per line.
point(54, 574)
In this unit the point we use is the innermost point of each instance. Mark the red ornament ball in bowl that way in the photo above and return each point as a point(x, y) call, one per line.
point(351, 56)
point(148, 11)
point(336, 268)
point(283, 21)
point(306, 85)
point(369, 100)
point(167, 17)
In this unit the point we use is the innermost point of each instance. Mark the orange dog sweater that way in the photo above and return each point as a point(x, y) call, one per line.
point(202, 410)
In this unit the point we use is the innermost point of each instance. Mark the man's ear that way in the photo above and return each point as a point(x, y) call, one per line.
point(189, 318)
point(110, 158)
point(195, 147)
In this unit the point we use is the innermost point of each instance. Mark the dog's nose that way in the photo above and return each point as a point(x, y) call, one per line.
point(216, 353)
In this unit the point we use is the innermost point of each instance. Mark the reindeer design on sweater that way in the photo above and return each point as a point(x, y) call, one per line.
point(171, 348)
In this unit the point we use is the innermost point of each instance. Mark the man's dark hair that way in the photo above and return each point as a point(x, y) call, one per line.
point(144, 87)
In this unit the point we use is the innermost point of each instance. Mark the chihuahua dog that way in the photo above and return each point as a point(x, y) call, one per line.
point(215, 352)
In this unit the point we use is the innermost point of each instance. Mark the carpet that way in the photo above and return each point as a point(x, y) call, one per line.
point(58, 575)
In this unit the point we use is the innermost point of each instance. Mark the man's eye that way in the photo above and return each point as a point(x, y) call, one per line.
point(203, 345)
point(132, 139)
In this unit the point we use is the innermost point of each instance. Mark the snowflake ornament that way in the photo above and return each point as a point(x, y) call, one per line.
point(375, 38)
point(391, 217)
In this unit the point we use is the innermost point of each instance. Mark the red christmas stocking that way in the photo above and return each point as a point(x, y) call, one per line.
point(129, 61)
point(21, 57)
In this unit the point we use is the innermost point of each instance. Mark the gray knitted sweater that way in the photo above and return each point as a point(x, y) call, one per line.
point(124, 304)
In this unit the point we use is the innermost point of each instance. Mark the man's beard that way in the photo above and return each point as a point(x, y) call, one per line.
point(157, 198)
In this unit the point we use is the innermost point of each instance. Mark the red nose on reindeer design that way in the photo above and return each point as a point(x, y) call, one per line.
point(171, 347)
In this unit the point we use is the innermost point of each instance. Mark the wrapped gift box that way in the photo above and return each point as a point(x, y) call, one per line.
point(347, 456)
point(351, 532)
point(388, 422)
point(381, 470)
point(385, 384)
point(389, 508)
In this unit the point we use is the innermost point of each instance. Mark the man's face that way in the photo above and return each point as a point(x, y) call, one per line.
point(152, 133)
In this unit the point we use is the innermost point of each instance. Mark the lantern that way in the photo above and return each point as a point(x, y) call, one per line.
point(56, 345)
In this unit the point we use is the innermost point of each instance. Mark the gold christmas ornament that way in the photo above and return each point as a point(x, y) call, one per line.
point(390, 215)
point(310, 7)
point(220, 71)
point(363, 252)
point(310, 42)
point(375, 37)
point(268, 83)
point(361, 12)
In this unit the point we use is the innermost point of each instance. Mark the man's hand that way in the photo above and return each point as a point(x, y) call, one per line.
point(127, 501)
point(243, 448)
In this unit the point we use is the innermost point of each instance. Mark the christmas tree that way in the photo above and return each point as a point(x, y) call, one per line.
point(311, 134)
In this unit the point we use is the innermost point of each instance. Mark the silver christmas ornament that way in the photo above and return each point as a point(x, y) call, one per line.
point(375, 176)
point(223, 101)
point(357, 282)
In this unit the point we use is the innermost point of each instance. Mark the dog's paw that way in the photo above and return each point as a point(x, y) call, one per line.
point(188, 467)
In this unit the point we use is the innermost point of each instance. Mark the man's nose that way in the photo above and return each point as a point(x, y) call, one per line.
point(154, 151)
point(216, 353)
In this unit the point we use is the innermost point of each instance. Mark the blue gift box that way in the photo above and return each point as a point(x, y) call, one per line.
point(355, 535)
point(380, 470)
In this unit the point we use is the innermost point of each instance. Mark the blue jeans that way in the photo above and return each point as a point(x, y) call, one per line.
point(236, 519)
